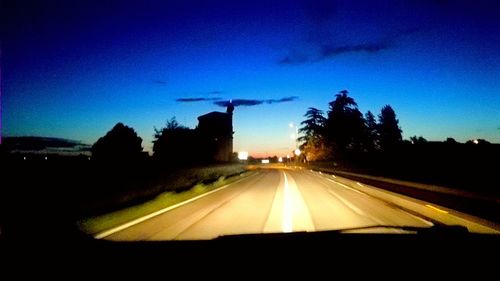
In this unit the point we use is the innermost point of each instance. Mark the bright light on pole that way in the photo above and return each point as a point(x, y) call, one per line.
point(280, 159)
point(297, 152)
point(243, 155)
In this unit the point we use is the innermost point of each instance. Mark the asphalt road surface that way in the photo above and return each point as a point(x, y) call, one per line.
point(274, 200)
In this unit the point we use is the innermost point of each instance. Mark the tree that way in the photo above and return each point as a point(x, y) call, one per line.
point(477, 141)
point(176, 143)
point(388, 129)
point(120, 143)
point(451, 141)
point(345, 125)
point(418, 140)
point(316, 149)
point(372, 136)
point(314, 125)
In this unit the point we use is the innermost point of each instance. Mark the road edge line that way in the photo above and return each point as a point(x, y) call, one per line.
point(119, 228)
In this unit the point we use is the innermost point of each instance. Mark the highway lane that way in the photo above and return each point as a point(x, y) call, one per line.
point(273, 200)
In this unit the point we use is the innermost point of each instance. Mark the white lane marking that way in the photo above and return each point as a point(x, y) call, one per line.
point(359, 184)
point(287, 224)
point(147, 217)
point(347, 203)
point(333, 176)
point(345, 186)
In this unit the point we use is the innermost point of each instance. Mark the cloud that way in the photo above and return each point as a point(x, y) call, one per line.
point(286, 99)
point(329, 50)
point(214, 93)
point(195, 99)
point(161, 82)
point(253, 102)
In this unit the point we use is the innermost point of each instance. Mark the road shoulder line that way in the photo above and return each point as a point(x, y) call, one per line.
point(119, 228)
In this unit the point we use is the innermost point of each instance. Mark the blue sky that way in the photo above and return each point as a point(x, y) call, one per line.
point(74, 69)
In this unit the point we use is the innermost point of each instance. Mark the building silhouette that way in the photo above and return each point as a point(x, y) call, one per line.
point(216, 128)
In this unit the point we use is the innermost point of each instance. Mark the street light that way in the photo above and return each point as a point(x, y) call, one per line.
point(297, 152)
point(243, 155)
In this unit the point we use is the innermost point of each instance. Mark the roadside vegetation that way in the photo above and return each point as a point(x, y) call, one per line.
point(99, 223)
point(345, 139)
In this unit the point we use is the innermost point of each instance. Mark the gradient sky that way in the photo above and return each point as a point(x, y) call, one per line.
point(73, 69)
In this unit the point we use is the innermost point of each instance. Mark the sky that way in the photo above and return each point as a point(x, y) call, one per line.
point(73, 69)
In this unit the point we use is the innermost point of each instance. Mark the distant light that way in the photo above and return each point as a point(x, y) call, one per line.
point(292, 136)
point(45, 157)
point(297, 152)
point(243, 155)
point(265, 161)
point(280, 159)
point(290, 125)
point(24, 158)
point(89, 158)
point(288, 156)
point(475, 141)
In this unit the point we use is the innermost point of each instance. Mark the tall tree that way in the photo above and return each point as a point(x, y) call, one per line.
point(372, 136)
point(120, 143)
point(314, 125)
point(345, 124)
point(388, 129)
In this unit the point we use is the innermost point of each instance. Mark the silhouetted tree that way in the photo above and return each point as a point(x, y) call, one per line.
point(418, 140)
point(314, 144)
point(451, 141)
point(314, 125)
point(176, 144)
point(120, 143)
point(372, 135)
point(478, 142)
point(388, 129)
point(345, 124)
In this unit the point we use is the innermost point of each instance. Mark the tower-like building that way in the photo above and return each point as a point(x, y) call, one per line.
point(217, 130)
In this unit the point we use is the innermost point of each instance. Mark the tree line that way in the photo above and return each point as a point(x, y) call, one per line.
point(345, 130)
point(174, 144)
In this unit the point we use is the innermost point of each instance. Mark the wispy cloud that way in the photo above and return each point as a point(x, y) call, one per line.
point(214, 92)
point(329, 50)
point(161, 82)
point(196, 99)
point(253, 102)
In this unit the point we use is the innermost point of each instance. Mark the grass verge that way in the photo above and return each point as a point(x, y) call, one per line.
point(97, 224)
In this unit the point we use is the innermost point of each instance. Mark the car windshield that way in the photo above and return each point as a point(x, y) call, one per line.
point(186, 120)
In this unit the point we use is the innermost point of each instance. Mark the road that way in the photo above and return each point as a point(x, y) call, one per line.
point(275, 200)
